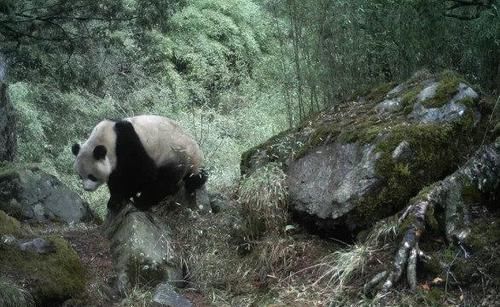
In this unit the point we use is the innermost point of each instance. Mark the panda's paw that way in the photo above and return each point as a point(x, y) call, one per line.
point(142, 204)
point(195, 181)
point(115, 205)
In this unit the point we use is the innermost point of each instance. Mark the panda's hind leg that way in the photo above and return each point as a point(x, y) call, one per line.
point(166, 183)
point(195, 181)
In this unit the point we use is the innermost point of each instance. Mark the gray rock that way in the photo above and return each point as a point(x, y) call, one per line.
point(218, 202)
point(347, 174)
point(166, 296)
point(141, 249)
point(8, 142)
point(428, 92)
point(388, 106)
point(37, 245)
point(397, 90)
point(8, 239)
point(448, 113)
point(327, 182)
point(403, 152)
point(36, 196)
point(465, 91)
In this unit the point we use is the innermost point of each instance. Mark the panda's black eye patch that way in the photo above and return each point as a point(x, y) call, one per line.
point(92, 177)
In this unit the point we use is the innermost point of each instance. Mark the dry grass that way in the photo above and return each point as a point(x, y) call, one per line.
point(384, 231)
point(263, 199)
point(137, 297)
point(11, 295)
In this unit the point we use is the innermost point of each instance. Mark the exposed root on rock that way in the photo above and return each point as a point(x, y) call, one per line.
point(480, 173)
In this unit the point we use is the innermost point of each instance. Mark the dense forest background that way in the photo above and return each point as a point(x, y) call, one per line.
point(233, 72)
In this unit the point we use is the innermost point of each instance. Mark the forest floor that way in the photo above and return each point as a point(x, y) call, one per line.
point(291, 270)
point(93, 248)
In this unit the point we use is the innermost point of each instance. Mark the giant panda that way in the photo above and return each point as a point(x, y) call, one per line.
point(145, 157)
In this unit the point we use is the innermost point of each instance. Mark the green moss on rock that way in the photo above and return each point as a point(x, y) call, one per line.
point(446, 89)
point(276, 149)
point(437, 150)
point(379, 92)
point(52, 277)
point(9, 225)
point(410, 97)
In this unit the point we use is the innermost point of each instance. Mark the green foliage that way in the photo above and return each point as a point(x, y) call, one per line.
point(213, 46)
point(336, 47)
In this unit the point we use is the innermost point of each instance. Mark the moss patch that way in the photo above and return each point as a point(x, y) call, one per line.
point(437, 151)
point(409, 98)
point(52, 277)
point(446, 89)
point(9, 225)
point(7, 169)
point(379, 92)
point(276, 149)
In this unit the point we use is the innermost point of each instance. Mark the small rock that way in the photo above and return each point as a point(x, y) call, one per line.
point(8, 239)
point(398, 89)
point(388, 106)
point(428, 92)
point(37, 245)
point(403, 152)
point(166, 296)
point(464, 91)
point(218, 202)
point(448, 113)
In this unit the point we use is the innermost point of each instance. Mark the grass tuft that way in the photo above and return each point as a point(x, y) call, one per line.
point(263, 199)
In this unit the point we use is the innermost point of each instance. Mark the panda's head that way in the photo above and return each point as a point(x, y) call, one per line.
point(92, 166)
point(94, 162)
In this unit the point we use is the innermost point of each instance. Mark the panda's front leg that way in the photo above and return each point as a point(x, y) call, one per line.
point(114, 204)
point(117, 198)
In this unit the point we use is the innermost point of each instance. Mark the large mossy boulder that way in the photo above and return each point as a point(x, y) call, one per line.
point(42, 270)
point(7, 126)
point(362, 160)
point(30, 194)
point(141, 249)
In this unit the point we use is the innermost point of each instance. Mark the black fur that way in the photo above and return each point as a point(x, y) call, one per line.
point(195, 181)
point(99, 152)
point(136, 172)
point(75, 149)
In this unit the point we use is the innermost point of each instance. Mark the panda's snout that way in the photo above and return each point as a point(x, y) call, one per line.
point(89, 185)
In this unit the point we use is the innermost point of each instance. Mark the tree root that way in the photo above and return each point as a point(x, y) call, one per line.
point(481, 172)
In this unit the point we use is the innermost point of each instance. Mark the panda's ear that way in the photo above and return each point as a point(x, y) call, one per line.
point(100, 152)
point(75, 149)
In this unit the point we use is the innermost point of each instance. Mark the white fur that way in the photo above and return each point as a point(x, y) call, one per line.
point(165, 141)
